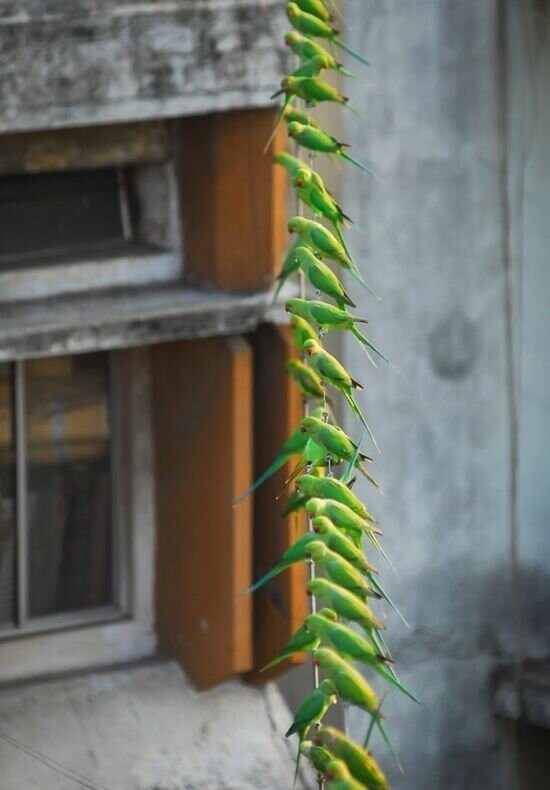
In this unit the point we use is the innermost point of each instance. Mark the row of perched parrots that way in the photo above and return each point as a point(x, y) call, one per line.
point(338, 520)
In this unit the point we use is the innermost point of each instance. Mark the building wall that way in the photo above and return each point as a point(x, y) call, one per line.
point(460, 423)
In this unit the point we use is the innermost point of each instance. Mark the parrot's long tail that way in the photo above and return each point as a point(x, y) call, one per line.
point(386, 737)
point(297, 769)
point(383, 672)
point(280, 283)
point(288, 99)
point(354, 271)
point(354, 406)
point(387, 598)
point(269, 575)
point(357, 163)
point(274, 467)
point(345, 72)
point(364, 471)
point(339, 43)
point(366, 342)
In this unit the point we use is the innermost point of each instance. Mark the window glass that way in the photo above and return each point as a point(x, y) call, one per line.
point(68, 483)
point(7, 498)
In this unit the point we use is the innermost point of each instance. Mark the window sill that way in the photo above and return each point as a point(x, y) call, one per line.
point(121, 318)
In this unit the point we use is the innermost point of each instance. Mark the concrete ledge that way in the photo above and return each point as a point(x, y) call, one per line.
point(122, 318)
point(532, 704)
point(145, 728)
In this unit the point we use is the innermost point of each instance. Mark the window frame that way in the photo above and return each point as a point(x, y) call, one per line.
point(132, 634)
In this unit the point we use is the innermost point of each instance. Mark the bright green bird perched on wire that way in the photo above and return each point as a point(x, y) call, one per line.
point(315, 139)
point(305, 49)
point(342, 515)
point(311, 89)
point(339, 570)
point(310, 712)
point(334, 373)
point(339, 777)
point(337, 540)
point(331, 488)
point(290, 265)
point(301, 331)
point(307, 380)
point(311, 25)
point(310, 68)
point(334, 440)
point(298, 552)
point(321, 240)
point(360, 763)
point(315, 7)
point(328, 317)
point(290, 162)
point(302, 641)
point(321, 277)
point(344, 603)
point(295, 114)
point(318, 756)
point(352, 687)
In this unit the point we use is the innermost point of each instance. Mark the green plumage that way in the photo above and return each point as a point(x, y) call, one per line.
point(311, 25)
point(338, 541)
point(305, 49)
point(339, 570)
point(315, 139)
point(360, 763)
point(331, 488)
point(322, 278)
point(300, 642)
point(344, 603)
point(308, 380)
point(302, 331)
point(339, 777)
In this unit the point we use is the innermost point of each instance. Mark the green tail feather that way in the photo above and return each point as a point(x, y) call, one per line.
point(274, 467)
point(278, 122)
point(280, 284)
point(357, 163)
point(354, 271)
point(387, 598)
point(362, 339)
point(383, 672)
point(351, 52)
point(269, 575)
point(358, 413)
point(388, 743)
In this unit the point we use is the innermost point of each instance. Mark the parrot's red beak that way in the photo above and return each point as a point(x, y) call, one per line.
point(309, 593)
point(299, 182)
point(315, 662)
point(329, 776)
point(316, 741)
point(315, 529)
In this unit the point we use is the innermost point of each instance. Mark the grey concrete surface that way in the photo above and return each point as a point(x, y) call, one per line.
point(144, 728)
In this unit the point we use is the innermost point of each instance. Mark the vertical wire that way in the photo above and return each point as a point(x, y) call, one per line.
point(21, 491)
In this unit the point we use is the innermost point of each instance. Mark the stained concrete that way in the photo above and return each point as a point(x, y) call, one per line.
point(145, 728)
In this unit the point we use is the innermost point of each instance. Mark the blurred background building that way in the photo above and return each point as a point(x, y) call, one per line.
point(142, 386)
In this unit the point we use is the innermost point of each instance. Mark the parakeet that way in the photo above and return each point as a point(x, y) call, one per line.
point(311, 89)
point(328, 317)
point(302, 331)
point(301, 641)
point(331, 488)
point(338, 541)
point(292, 113)
point(313, 457)
point(290, 162)
point(295, 553)
point(311, 711)
point(352, 687)
point(310, 68)
point(339, 777)
point(305, 48)
point(360, 763)
point(315, 139)
point(315, 7)
point(321, 277)
point(322, 241)
point(333, 372)
point(341, 515)
point(290, 265)
point(344, 603)
point(311, 25)
point(318, 756)
point(339, 570)
point(334, 440)
point(307, 379)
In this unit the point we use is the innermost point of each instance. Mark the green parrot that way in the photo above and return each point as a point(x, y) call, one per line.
point(318, 756)
point(334, 440)
point(321, 277)
point(325, 243)
point(307, 379)
point(289, 267)
point(310, 712)
point(315, 139)
point(302, 331)
point(311, 89)
point(310, 68)
point(342, 516)
point(295, 114)
point(359, 762)
point(328, 317)
point(294, 445)
point(331, 488)
point(352, 645)
point(306, 49)
point(313, 457)
point(311, 25)
point(315, 7)
point(344, 603)
point(332, 372)
point(337, 541)
point(352, 687)
point(302, 641)
point(339, 777)
point(290, 162)
point(339, 570)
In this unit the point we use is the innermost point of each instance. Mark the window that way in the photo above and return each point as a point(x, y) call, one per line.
point(58, 537)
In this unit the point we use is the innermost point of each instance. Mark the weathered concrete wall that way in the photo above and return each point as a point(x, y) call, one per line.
point(436, 248)
point(144, 728)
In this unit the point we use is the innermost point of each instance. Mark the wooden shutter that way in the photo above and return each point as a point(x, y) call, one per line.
point(281, 605)
point(233, 200)
point(202, 392)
